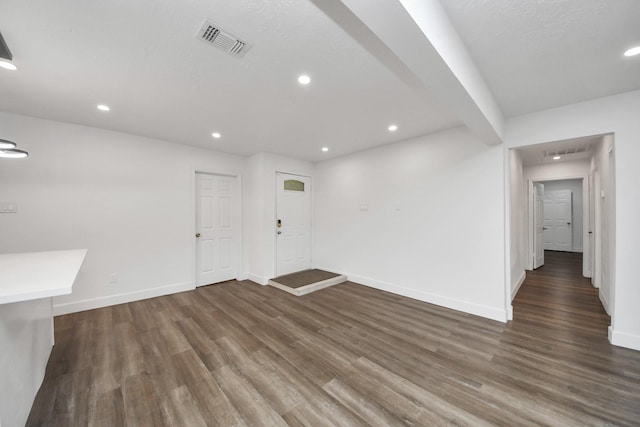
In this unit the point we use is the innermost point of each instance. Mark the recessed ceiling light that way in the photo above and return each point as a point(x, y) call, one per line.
point(216, 135)
point(103, 107)
point(393, 128)
point(325, 149)
point(633, 51)
point(304, 79)
point(556, 157)
point(8, 65)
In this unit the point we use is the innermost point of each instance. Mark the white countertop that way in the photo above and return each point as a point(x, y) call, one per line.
point(32, 275)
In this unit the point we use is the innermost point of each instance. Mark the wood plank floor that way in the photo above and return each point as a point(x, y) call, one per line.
point(240, 354)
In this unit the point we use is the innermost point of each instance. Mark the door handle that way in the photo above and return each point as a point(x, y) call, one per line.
point(544, 228)
point(568, 223)
point(197, 234)
point(279, 232)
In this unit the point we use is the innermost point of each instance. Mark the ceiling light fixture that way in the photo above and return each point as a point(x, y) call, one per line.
point(8, 65)
point(4, 144)
point(325, 149)
point(633, 51)
point(556, 157)
point(8, 150)
point(216, 135)
point(393, 128)
point(13, 153)
point(304, 79)
point(6, 56)
point(103, 107)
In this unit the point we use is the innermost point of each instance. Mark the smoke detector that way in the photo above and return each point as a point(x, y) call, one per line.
point(212, 34)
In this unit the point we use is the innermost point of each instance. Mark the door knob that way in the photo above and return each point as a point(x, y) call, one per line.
point(197, 234)
point(568, 223)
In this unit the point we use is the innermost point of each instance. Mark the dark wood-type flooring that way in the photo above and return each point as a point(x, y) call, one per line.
point(304, 278)
point(240, 354)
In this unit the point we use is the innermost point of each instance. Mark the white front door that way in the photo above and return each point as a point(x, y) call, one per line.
point(558, 210)
point(538, 221)
point(217, 229)
point(293, 223)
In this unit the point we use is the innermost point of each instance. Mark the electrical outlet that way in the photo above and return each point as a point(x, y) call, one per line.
point(113, 278)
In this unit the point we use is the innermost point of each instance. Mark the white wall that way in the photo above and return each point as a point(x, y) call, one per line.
point(619, 115)
point(575, 186)
point(434, 228)
point(557, 170)
point(605, 202)
point(518, 221)
point(129, 199)
point(261, 173)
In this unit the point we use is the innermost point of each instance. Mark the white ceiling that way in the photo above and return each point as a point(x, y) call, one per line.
point(574, 149)
point(143, 59)
point(540, 54)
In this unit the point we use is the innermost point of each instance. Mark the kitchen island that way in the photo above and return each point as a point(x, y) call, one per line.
point(28, 283)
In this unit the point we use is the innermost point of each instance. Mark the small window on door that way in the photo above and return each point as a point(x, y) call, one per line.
point(293, 185)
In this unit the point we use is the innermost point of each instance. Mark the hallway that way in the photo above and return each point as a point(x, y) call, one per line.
point(560, 328)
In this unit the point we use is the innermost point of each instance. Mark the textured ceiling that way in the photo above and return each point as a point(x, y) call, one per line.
point(142, 58)
point(539, 54)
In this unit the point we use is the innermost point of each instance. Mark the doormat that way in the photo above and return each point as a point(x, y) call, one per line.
point(307, 281)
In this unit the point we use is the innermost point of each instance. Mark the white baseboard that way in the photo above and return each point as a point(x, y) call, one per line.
point(258, 279)
point(242, 277)
point(515, 288)
point(90, 304)
point(492, 313)
point(604, 301)
point(624, 339)
point(510, 313)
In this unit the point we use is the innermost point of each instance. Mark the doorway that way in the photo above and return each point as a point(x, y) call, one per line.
point(293, 223)
point(577, 176)
point(560, 219)
point(218, 222)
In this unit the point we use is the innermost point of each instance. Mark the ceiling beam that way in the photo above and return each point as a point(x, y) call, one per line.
point(417, 42)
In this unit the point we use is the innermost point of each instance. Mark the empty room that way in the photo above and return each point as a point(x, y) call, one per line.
point(319, 213)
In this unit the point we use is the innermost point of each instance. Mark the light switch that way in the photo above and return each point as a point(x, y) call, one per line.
point(8, 207)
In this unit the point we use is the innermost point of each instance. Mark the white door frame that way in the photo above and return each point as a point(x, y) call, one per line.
point(533, 231)
point(586, 194)
point(192, 210)
point(275, 218)
point(597, 229)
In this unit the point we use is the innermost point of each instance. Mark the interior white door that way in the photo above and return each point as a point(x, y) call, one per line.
point(217, 229)
point(558, 213)
point(293, 223)
point(538, 221)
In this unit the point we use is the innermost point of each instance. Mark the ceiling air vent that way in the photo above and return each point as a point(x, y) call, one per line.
point(214, 35)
